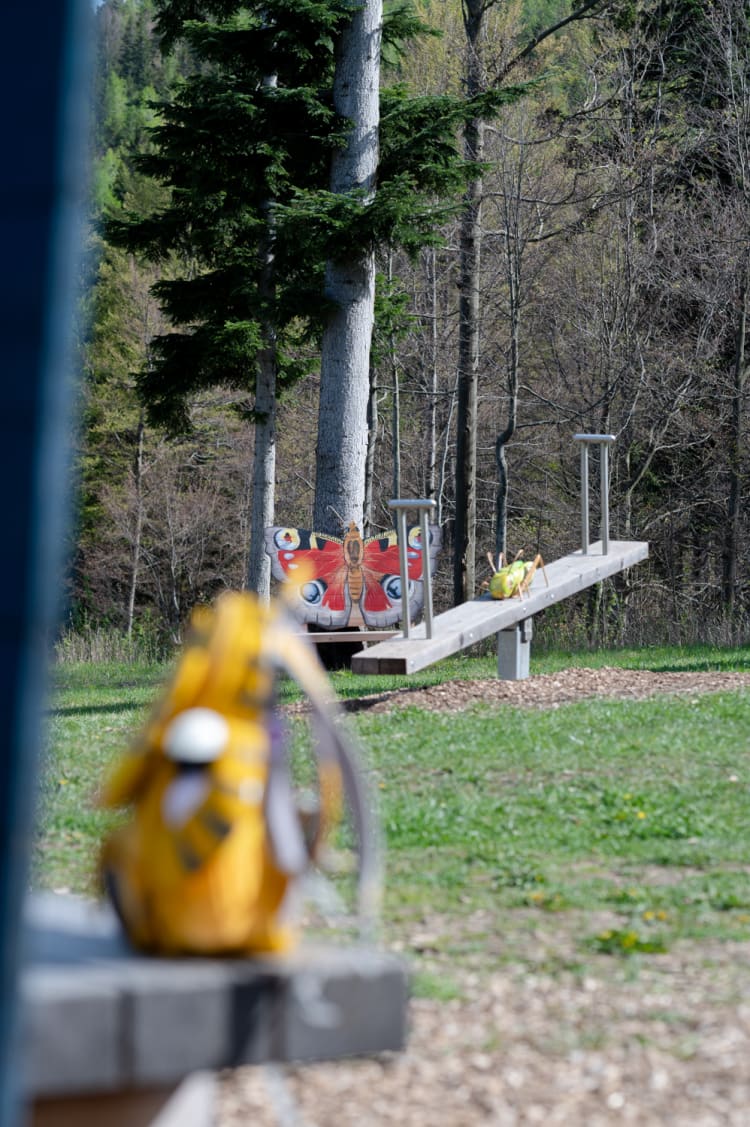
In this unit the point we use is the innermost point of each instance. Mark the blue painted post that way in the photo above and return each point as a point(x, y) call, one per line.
point(44, 89)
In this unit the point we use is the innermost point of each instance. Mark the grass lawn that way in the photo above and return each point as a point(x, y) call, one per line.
point(609, 827)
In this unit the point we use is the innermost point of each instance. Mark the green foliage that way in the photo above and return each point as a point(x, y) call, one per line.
point(512, 813)
point(246, 162)
point(619, 941)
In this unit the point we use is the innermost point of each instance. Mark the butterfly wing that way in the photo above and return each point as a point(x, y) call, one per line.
point(381, 602)
point(322, 596)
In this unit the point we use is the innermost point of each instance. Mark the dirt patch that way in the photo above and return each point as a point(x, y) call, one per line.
point(548, 690)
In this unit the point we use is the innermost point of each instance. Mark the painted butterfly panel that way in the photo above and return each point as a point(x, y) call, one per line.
point(350, 581)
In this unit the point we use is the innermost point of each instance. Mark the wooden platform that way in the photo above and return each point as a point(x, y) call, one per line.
point(348, 637)
point(471, 622)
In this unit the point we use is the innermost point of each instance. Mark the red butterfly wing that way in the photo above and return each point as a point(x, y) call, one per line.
point(382, 600)
point(322, 598)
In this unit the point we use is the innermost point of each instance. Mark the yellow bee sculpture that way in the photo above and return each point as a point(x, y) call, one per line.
point(514, 578)
point(209, 860)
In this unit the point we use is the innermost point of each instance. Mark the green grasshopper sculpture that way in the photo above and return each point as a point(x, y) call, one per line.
point(514, 578)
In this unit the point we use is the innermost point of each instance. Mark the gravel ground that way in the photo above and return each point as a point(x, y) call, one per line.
point(669, 1046)
point(656, 1040)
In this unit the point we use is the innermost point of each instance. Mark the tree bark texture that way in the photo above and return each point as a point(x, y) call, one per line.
point(264, 472)
point(464, 564)
point(135, 554)
point(350, 285)
point(736, 441)
point(264, 454)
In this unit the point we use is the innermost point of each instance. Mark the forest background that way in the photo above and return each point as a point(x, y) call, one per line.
point(611, 225)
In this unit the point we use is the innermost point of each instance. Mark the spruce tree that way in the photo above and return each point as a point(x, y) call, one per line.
point(250, 128)
point(246, 148)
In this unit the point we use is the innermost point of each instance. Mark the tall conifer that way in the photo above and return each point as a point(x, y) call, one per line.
point(246, 149)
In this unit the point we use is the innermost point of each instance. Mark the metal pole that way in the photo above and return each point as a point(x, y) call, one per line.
point(404, 566)
point(604, 472)
point(424, 506)
point(603, 441)
point(426, 570)
point(584, 498)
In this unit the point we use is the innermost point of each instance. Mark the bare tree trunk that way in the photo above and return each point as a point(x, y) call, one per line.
point(470, 243)
point(372, 442)
point(396, 400)
point(264, 469)
point(264, 454)
point(514, 245)
point(734, 505)
point(431, 408)
point(350, 284)
point(396, 429)
point(138, 529)
point(468, 340)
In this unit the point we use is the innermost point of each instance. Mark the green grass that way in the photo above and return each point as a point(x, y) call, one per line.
point(615, 827)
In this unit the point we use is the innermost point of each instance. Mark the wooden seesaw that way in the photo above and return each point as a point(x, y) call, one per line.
point(511, 619)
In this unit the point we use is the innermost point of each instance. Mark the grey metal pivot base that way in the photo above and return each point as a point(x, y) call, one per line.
point(514, 651)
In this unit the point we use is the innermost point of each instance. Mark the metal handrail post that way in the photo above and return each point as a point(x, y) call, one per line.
point(603, 441)
point(584, 498)
point(404, 566)
point(426, 569)
point(424, 507)
point(604, 478)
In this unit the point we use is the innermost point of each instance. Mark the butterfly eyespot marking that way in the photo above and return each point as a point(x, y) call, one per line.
point(313, 592)
point(392, 588)
point(287, 538)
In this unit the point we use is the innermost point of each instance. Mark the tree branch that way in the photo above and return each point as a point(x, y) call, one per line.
point(575, 15)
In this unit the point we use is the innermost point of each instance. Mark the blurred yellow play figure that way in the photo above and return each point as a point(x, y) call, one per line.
point(209, 859)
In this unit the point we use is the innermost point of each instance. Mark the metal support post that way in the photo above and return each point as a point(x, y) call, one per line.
point(424, 507)
point(603, 441)
point(514, 651)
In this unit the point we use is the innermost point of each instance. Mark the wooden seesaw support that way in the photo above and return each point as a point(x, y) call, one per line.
point(510, 619)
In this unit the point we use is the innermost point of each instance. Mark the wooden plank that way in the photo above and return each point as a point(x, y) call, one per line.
point(471, 622)
point(331, 637)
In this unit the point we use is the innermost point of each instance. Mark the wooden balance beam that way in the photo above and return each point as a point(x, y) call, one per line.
point(471, 622)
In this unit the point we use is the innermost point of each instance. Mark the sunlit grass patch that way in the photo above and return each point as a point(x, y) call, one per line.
point(547, 823)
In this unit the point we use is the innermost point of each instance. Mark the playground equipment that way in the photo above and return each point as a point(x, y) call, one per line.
point(351, 582)
point(428, 535)
point(511, 619)
point(513, 578)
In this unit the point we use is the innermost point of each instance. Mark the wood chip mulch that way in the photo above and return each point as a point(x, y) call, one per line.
point(549, 690)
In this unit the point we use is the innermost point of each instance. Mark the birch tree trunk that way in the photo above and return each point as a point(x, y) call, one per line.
point(350, 284)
